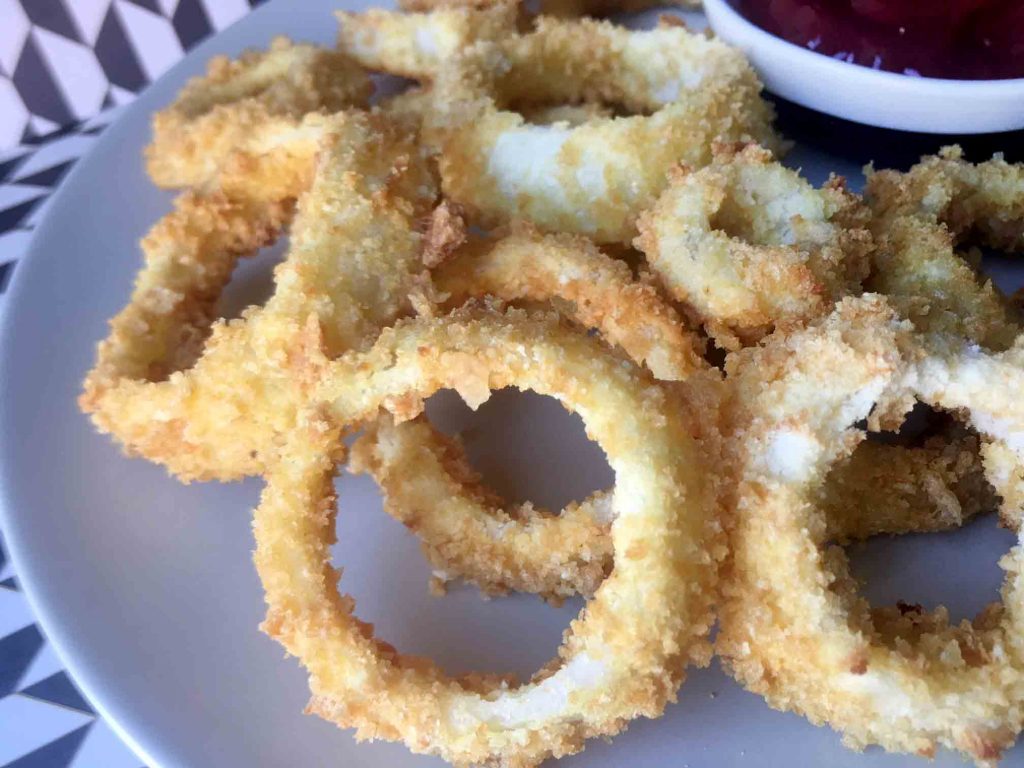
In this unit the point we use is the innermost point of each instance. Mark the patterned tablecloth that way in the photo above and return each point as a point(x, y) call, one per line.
point(44, 721)
point(66, 66)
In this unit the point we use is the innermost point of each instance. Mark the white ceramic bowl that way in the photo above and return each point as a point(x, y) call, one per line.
point(864, 95)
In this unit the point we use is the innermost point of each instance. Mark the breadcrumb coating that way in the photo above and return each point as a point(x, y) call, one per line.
point(982, 201)
point(683, 89)
point(595, 290)
point(417, 45)
point(470, 533)
point(248, 107)
point(749, 246)
point(918, 218)
point(352, 265)
point(792, 627)
point(623, 658)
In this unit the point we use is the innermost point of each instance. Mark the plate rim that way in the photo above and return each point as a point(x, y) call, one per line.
point(25, 566)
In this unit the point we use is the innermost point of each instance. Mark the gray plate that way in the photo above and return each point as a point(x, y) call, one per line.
point(146, 586)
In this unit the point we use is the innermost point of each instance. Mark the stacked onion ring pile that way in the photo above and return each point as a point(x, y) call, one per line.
point(560, 204)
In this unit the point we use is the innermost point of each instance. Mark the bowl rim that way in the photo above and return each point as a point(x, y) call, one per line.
point(764, 38)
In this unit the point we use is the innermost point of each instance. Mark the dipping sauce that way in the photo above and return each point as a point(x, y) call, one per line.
point(958, 39)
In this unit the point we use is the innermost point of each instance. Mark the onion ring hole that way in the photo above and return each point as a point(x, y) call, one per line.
point(513, 434)
point(386, 572)
point(252, 281)
point(952, 560)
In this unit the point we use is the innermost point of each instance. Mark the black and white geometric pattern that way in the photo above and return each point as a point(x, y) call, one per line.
point(64, 61)
point(66, 66)
point(28, 176)
point(44, 721)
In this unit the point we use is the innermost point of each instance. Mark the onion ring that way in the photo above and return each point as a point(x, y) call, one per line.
point(601, 291)
point(418, 45)
point(248, 108)
point(594, 178)
point(623, 658)
point(983, 201)
point(476, 536)
point(791, 625)
point(468, 532)
point(916, 264)
point(222, 418)
point(747, 245)
point(470, 535)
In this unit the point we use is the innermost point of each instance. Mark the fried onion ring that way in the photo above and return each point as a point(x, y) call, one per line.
point(600, 291)
point(624, 657)
point(748, 245)
point(470, 533)
point(222, 417)
point(248, 108)
point(916, 263)
point(417, 45)
point(596, 177)
point(983, 201)
point(792, 627)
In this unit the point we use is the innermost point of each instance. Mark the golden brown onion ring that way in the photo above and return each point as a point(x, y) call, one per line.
point(624, 657)
point(748, 245)
point(222, 418)
point(917, 265)
point(417, 45)
point(983, 201)
point(560, 8)
point(468, 532)
point(536, 552)
point(248, 108)
point(792, 627)
point(594, 178)
point(426, 481)
point(600, 293)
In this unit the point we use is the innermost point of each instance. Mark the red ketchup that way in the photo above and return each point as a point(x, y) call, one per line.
point(959, 39)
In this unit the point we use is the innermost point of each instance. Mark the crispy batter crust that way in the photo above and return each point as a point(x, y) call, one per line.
point(792, 626)
point(468, 532)
point(916, 263)
point(983, 201)
point(594, 178)
point(892, 489)
point(600, 293)
point(749, 246)
point(246, 108)
point(623, 658)
point(222, 417)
